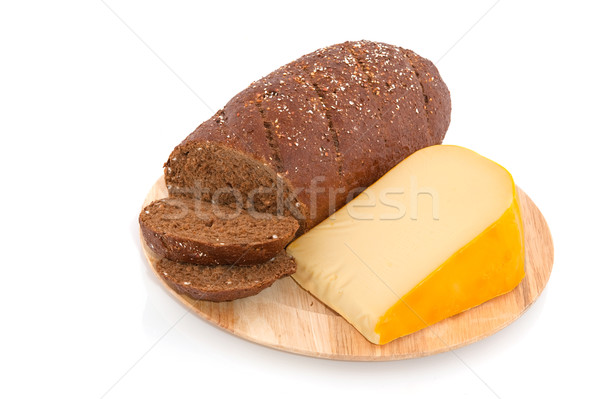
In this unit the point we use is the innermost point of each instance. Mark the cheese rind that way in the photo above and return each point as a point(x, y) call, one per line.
point(490, 265)
point(438, 234)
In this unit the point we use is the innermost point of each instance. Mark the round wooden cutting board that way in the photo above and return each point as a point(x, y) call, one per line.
point(286, 317)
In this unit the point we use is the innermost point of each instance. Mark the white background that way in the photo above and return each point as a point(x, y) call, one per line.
point(88, 114)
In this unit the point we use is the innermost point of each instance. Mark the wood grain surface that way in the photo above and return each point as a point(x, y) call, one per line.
point(286, 317)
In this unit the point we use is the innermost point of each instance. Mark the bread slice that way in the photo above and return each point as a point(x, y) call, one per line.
point(224, 282)
point(199, 232)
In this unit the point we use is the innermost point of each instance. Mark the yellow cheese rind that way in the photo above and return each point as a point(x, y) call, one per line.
point(407, 237)
point(490, 265)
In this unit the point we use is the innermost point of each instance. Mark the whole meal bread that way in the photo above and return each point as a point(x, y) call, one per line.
point(311, 135)
point(224, 282)
point(190, 230)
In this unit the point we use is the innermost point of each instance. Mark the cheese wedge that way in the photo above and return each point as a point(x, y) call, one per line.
point(438, 234)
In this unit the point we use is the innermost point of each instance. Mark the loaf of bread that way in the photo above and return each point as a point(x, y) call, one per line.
point(311, 135)
point(189, 230)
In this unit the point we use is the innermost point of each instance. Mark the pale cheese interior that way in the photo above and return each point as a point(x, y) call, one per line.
point(369, 254)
